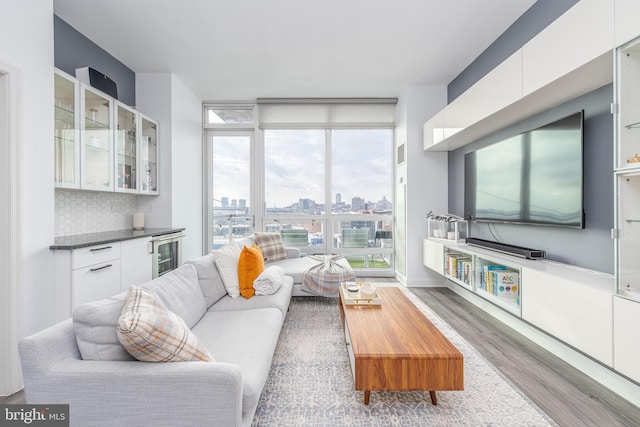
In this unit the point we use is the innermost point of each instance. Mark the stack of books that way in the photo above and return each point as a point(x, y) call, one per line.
point(459, 266)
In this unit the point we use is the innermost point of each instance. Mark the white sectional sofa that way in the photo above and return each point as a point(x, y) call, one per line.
point(80, 361)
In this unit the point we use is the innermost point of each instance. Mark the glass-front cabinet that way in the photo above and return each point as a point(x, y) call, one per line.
point(627, 170)
point(100, 143)
point(148, 155)
point(96, 140)
point(66, 133)
point(126, 149)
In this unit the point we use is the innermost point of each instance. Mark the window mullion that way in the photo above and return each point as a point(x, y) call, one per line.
point(328, 240)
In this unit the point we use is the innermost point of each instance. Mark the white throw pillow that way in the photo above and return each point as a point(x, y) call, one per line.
point(226, 260)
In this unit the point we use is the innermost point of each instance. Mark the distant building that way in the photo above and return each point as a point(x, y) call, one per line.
point(242, 203)
point(338, 198)
point(357, 204)
point(224, 202)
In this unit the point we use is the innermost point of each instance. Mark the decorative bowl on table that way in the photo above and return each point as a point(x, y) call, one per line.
point(367, 290)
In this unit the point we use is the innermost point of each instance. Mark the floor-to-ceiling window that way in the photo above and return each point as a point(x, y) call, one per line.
point(320, 171)
point(229, 147)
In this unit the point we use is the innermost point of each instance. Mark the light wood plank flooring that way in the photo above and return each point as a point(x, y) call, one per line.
point(568, 396)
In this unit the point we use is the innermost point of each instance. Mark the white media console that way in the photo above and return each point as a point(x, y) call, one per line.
point(567, 309)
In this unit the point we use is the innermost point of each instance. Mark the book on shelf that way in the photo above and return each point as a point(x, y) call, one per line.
point(459, 266)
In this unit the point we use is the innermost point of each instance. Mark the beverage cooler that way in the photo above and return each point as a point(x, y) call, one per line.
point(167, 253)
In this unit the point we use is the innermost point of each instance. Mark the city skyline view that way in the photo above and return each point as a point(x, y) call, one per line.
point(357, 204)
point(295, 166)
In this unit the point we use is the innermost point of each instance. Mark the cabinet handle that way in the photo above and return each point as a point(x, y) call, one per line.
point(100, 249)
point(100, 268)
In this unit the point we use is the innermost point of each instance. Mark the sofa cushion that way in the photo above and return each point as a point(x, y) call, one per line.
point(94, 324)
point(279, 300)
point(250, 265)
point(226, 260)
point(246, 338)
point(208, 278)
point(152, 333)
point(271, 246)
point(180, 292)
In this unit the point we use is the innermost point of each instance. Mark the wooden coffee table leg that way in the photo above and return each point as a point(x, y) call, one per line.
point(434, 400)
point(367, 394)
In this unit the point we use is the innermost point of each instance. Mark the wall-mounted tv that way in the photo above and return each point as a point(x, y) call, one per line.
point(535, 177)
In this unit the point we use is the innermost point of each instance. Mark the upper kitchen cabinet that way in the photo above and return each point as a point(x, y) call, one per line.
point(96, 138)
point(126, 149)
point(66, 132)
point(148, 156)
point(102, 144)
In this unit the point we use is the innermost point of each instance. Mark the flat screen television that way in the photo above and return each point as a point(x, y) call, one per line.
point(535, 177)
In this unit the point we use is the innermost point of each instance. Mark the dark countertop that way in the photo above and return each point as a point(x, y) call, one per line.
point(90, 239)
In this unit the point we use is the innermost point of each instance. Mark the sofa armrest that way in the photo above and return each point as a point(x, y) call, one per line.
point(127, 392)
point(293, 252)
point(138, 393)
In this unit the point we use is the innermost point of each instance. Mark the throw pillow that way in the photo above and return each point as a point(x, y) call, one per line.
point(269, 281)
point(271, 246)
point(152, 333)
point(250, 265)
point(226, 260)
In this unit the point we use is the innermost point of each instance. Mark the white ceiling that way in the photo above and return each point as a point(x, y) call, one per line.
point(245, 49)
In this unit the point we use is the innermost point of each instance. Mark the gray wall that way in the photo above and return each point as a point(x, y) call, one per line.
point(591, 247)
point(73, 50)
point(534, 20)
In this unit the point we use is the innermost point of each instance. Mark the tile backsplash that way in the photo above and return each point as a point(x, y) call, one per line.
point(80, 212)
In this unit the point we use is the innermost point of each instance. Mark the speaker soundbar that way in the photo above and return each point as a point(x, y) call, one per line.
point(96, 79)
point(507, 249)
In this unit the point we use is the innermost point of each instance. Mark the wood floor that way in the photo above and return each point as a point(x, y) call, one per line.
point(568, 396)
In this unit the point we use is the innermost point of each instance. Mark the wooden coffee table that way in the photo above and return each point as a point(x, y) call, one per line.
point(395, 347)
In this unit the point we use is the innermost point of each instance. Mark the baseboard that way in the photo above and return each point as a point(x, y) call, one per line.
point(604, 375)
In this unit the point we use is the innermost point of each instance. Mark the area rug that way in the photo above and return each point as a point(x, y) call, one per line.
point(310, 382)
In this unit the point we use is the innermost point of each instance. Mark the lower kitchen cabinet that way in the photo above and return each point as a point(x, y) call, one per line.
point(136, 262)
point(95, 272)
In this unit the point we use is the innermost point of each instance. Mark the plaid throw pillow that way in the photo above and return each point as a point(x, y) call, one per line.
point(271, 246)
point(152, 333)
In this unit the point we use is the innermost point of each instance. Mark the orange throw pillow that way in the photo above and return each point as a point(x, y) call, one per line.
point(250, 265)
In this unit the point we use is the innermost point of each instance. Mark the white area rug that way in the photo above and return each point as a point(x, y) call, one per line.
point(310, 383)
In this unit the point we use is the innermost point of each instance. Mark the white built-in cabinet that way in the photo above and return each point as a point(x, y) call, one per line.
point(96, 140)
point(570, 303)
point(570, 57)
point(627, 209)
point(626, 338)
point(626, 20)
point(137, 262)
point(95, 272)
point(66, 131)
point(581, 34)
point(102, 144)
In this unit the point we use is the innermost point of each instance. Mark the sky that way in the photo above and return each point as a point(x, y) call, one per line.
point(295, 165)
